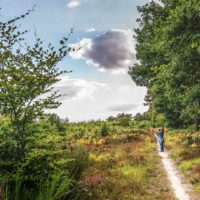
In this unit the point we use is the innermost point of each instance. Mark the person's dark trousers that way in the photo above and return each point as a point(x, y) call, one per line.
point(161, 146)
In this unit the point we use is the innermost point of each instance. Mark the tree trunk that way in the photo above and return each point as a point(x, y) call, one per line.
point(20, 154)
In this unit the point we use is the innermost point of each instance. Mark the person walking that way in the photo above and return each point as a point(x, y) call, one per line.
point(160, 134)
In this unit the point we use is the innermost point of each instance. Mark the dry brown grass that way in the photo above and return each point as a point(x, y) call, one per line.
point(126, 170)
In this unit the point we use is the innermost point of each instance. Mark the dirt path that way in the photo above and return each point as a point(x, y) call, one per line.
point(182, 190)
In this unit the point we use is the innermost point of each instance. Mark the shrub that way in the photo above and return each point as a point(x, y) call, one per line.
point(104, 131)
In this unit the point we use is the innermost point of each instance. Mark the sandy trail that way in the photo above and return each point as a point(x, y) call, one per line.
point(181, 190)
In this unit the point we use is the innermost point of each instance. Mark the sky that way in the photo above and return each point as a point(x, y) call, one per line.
point(99, 85)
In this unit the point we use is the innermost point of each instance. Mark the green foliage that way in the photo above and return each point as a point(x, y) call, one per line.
point(160, 120)
point(104, 131)
point(36, 162)
point(57, 121)
point(138, 117)
point(7, 144)
point(144, 124)
point(124, 120)
point(26, 73)
point(49, 169)
point(168, 50)
point(55, 188)
point(185, 149)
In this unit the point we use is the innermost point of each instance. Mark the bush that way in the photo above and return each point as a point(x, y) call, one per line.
point(55, 187)
point(144, 124)
point(47, 175)
point(48, 170)
point(104, 131)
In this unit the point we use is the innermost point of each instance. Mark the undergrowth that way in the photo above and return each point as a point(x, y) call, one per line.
point(185, 149)
point(126, 169)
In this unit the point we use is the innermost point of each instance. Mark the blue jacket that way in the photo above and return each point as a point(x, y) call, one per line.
point(160, 136)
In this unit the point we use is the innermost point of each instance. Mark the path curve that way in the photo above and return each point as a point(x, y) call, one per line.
point(183, 190)
point(180, 189)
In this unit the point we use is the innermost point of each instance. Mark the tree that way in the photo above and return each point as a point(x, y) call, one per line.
point(111, 118)
point(124, 119)
point(183, 49)
point(104, 130)
point(168, 51)
point(26, 74)
point(58, 122)
point(139, 117)
point(123, 115)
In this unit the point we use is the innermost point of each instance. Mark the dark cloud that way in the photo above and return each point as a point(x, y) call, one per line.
point(112, 50)
point(122, 107)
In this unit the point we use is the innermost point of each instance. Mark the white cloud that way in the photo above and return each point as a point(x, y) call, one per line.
point(98, 99)
point(71, 89)
point(124, 88)
point(113, 51)
point(73, 4)
point(83, 46)
point(90, 30)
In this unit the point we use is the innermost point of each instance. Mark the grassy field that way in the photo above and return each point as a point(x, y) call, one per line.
point(97, 160)
point(126, 167)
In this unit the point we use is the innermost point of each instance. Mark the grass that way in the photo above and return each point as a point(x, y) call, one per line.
point(127, 169)
point(185, 150)
point(188, 165)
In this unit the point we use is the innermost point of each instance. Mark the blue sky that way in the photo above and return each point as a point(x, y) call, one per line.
point(99, 85)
